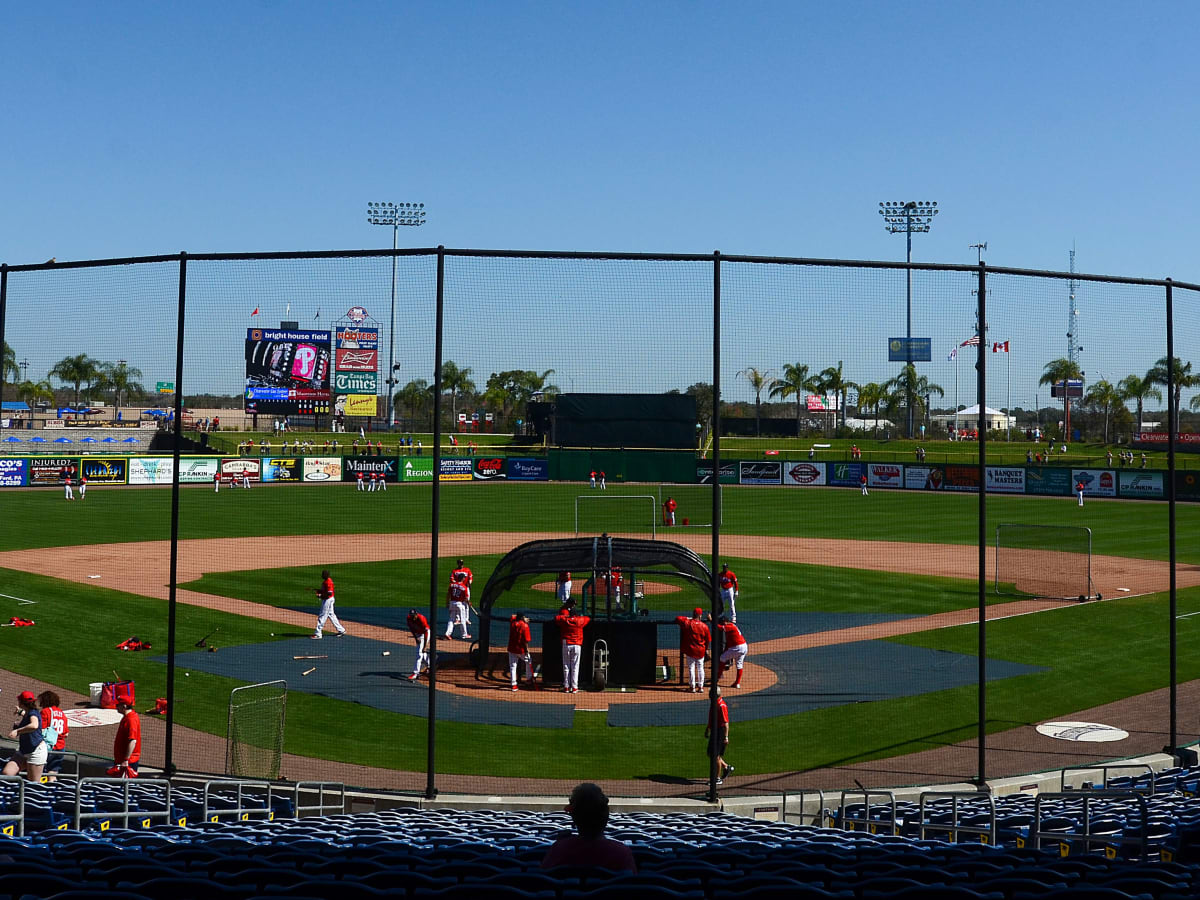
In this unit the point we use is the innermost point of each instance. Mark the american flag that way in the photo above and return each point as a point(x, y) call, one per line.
point(972, 341)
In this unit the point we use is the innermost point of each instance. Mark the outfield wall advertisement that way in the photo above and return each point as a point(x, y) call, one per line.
point(197, 471)
point(322, 468)
point(885, 475)
point(490, 468)
point(846, 474)
point(729, 473)
point(49, 469)
point(1047, 481)
point(1096, 482)
point(803, 473)
point(241, 469)
point(283, 468)
point(1148, 485)
point(924, 478)
point(12, 472)
point(962, 478)
point(417, 469)
point(150, 470)
point(531, 469)
point(1005, 480)
point(457, 469)
point(760, 472)
point(104, 470)
point(370, 465)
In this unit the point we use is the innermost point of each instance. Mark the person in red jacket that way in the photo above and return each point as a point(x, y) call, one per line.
point(127, 746)
point(419, 626)
point(735, 649)
point(693, 643)
point(53, 717)
point(570, 627)
point(518, 648)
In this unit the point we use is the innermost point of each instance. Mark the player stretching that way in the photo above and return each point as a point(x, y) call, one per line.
point(735, 649)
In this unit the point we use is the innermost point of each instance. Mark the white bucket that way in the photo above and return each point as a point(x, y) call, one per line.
point(94, 689)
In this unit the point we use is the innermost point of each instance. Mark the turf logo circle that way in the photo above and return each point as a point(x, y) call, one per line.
point(1090, 732)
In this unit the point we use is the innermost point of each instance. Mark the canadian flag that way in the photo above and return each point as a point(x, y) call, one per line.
point(1000, 347)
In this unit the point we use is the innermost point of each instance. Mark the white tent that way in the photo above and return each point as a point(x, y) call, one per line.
point(969, 418)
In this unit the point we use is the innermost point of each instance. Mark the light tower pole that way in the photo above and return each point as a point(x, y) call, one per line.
point(394, 214)
point(905, 218)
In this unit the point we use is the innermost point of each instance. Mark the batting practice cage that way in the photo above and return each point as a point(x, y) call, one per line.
point(321, 510)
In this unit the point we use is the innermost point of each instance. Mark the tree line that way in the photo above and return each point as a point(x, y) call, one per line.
point(84, 376)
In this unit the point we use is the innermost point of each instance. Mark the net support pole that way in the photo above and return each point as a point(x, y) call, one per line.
point(172, 605)
point(434, 525)
point(3, 316)
point(981, 378)
point(1172, 425)
point(716, 517)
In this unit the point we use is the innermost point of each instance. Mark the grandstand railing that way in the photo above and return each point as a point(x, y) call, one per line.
point(1088, 799)
point(320, 789)
point(1141, 768)
point(18, 818)
point(848, 821)
point(816, 818)
point(126, 813)
point(954, 828)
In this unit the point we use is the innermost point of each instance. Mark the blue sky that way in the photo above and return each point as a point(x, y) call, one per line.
point(766, 128)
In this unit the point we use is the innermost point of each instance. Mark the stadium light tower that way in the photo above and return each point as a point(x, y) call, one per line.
point(905, 218)
point(394, 214)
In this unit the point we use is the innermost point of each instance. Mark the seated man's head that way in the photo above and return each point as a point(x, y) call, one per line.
point(589, 810)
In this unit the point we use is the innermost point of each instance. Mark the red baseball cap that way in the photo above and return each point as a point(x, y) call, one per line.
point(697, 611)
point(27, 697)
point(124, 699)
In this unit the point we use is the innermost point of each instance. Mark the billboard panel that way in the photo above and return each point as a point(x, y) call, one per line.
point(1096, 482)
point(355, 337)
point(1140, 484)
point(490, 468)
point(287, 372)
point(104, 469)
point(457, 470)
point(356, 404)
point(1187, 485)
point(533, 469)
point(356, 383)
point(150, 470)
point(237, 467)
point(12, 472)
point(50, 469)
point(322, 468)
point(197, 470)
point(924, 478)
point(885, 475)
point(729, 473)
point(903, 349)
point(419, 468)
point(1048, 481)
point(846, 474)
point(282, 468)
point(368, 465)
point(962, 478)
point(1006, 479)
point(760, 472)
point(356, 360)
point(804, 473)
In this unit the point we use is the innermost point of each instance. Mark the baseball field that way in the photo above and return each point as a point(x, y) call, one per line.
point(860, 613)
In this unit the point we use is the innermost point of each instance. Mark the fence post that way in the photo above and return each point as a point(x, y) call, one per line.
point(434, 526)
point(169, 744)
point(1172, 426)
point(3, 317)
point(981, 373)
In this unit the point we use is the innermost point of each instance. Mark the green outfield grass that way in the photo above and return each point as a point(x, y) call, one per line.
point(41, 518)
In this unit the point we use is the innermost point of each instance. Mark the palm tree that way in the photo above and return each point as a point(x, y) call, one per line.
point(833, 382)
point(1182, 376)
point(758, 381)
point(76, 370)
point(414, 397)
point(909, 384)
point(33, 391)
point(121, 379)
point(1106, 398)
point(1062, 370)
point(794, 383)
point(871, 396)
point(456, 381)
point(1134, 388)
point(9, 371)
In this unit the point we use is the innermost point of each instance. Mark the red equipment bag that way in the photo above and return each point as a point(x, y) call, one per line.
point(113, 689)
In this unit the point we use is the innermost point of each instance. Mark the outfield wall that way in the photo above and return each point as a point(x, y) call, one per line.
point(627, 466)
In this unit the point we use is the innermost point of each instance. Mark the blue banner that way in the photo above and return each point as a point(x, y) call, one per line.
point(531, 469)
point(846, 474)
point(12, 473)
point(918, 349)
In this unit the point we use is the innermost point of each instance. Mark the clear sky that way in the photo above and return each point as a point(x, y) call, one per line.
point(759, 127)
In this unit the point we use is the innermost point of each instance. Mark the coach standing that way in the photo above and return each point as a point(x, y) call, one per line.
point(518, 649)
point(717, 733)
point(325, 595)
point(693, 643)
point(570, 628)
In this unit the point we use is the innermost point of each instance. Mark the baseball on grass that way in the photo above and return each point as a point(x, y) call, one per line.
point(187, 674)
point(386, 653)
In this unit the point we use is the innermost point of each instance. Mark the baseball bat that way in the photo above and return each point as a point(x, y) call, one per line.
point(310, 657)
point(309, 671)
point(200, 643)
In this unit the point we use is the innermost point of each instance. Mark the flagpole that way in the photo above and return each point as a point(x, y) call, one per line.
point(956, 394)
point(1008, 400)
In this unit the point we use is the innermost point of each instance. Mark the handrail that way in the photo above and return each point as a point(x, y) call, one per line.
point(1104, 770)
point(320, 808)
point(867, 794)
point(1061, 837)
point(817, 818)
point(19, 816)
point(126, 813)
point(245, 793)
point(988, 834)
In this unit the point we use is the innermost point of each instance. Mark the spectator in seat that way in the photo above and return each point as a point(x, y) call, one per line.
point(589, 811)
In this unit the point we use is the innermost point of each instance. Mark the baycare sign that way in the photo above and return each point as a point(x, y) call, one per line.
point(490, 468)
point(885, 475)
point(49, 470)
point(804, 473)
point(102, 470)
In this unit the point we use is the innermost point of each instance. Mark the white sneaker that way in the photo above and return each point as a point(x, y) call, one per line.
point(314, 637)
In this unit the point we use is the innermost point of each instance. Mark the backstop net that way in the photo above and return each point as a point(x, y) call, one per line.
point(1052, 561)
point(611, 513)
point(254, 735)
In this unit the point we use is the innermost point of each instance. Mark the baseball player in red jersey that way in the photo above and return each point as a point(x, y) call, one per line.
point(362, 485)
point(570, 627)
point(518, 648)
point(246, 479)
point(419, 626)
point(461, 566)
point(593, 477)
point(217, 482)
point(325, 594)
point(603, 486)
point(862, 480)
point(669, 511)
point(69, 493)
point(468, 580)
point(728, 584)
point(693, 641)
point(82, 487)
point(457, 597)
point(735, 649)
point(1079, 491)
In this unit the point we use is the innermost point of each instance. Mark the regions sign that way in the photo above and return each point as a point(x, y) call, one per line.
point(282, 468)
point(353, 360)
point(885, 475)
point(760, 472)
point(490, 468)
point(1005, 480)
point(729, 473)
point(238, 468)
point(369, 465)
point(924, 478)
point(356, 383)
point(962, 478)
point(104, 470)
point(150, 470)
point(1096, 482)
point(1140, 484)
point(322, 468)
point(842, 474)
point(357, 404)
point(1048, 481)
point(417, 469)
point(457, 470)
point(521, 469)
point(12, 472)
point(804, 473)
point(197, 471)
point(49, 470)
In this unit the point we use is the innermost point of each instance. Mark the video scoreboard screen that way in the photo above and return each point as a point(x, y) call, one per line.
point(287, 372)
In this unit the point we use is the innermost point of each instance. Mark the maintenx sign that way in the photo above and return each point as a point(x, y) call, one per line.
point(418, 468)
point(104, 470)
point(356, 383)
point(368, 465)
